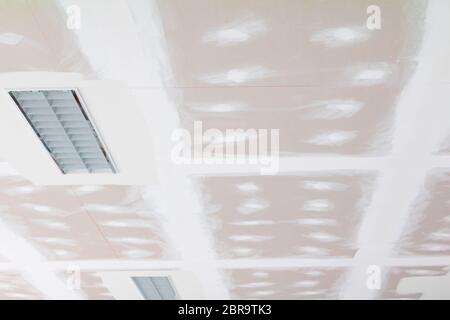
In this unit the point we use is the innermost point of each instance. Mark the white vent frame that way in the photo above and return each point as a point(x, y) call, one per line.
point(122, 287)
point(117, 112)
point(84, 110)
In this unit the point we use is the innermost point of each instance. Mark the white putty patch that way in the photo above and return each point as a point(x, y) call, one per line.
point(20, 295)
point(253, 205)
point(132, 240)
point(243, 251)
point(249, 223)
point(7, 286)
point(56, 241)
point(51, 211)
point(369, 75)
point(341, 36)
point(261, 274)
point(127, 223)
point(93, 207)
point(434, 247)
point(248, 187)
point(332, 109)
point(310, 250)
point(314, 273)
point(66, 254)
point(323, 186)
point(305, 283)
point(237, 76)
point(51, 224)
point(88, 189)
point(236, 32)
point(10, 39)
point(256, 285)
point(221, 107)
point(249, 238)
point(22, 190)
point(336, 138)
point(440, 235)
point(318, 205)
point(424, 272)
point(310, 292)
point(322, 237)
point(261, 293)
point(317, 221)
point(137, 253)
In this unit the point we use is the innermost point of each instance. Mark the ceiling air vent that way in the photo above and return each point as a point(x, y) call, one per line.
point(64, 128)
point(155, 288)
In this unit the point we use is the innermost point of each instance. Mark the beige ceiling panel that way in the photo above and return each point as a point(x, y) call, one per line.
point(337, 121)
point(36, 38)
point(428, 228)
point(299, 283)
point(307, 216)
point(125, 221)
point(230, 43)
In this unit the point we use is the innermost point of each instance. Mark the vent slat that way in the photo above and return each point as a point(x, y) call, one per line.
point(88, 149)
point(76, 124)
point(85, 144)
point(54, 138)
point(81, 137)
point(64, 149)
point(62, 143)
point(72, 117)
point(43, 117)
point(65, 111)
point(69, 168)
point(35, 104)
point(99, 164)
point(62, 104)
point(63, 94)
point(74, 162)
point(78, 131)
point(65, 154)
point(37, 109)
point(91, 155)
point(51, 131)
point(47, 125)
point(28, 95)
point(45, 112)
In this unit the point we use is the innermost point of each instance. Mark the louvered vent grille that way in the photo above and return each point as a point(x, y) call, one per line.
point(155, 288)
point(60, 122)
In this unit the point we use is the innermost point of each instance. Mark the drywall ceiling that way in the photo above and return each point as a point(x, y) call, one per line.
point(364, 165)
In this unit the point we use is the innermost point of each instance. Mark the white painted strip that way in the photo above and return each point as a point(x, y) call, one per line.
point(180, 207)
point(421, 124)
point(7, 170)
point(289, 165)
point(270, 263)
point(137, 24)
